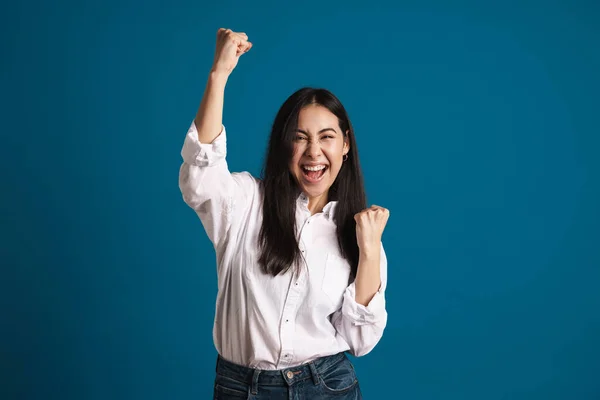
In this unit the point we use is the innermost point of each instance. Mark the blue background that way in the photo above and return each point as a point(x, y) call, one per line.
point(477, 125)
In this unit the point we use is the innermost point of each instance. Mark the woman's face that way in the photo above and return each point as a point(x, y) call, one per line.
point(319, 148)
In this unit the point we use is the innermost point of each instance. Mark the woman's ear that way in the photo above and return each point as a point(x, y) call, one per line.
point(346, 143)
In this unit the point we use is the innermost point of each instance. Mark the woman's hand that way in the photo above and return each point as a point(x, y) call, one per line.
point(230, 46)
point(370, 224)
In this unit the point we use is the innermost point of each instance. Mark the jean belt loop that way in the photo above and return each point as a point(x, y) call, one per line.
point(314, 372)
point(254, 387)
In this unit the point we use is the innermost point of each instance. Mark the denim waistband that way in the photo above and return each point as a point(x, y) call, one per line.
point(281, 377)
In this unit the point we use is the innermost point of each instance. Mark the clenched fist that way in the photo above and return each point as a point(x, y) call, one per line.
point(230, 46)
point(370, 224)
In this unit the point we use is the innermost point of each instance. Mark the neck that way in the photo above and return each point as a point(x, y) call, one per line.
point(316, 204)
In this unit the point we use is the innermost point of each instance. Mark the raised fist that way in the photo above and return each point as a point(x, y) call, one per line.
point(370, 224)
point(230, 46)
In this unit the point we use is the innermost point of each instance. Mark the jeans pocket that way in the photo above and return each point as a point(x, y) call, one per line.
point(227, 388)
point(339, 379)
point(335, 278)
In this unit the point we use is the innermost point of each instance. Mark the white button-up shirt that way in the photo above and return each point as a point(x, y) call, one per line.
point(277, 322)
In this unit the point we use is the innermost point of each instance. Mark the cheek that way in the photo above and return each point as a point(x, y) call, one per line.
point(335, 162)
point(335, 153)
point(295, 159)
point(297, 151)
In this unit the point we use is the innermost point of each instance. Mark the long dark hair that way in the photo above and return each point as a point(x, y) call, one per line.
point(277, 239)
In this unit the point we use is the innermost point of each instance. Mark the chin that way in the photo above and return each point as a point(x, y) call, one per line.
point(315, 190)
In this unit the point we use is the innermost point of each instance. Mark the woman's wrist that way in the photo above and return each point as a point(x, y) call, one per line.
point(370, 251)
point(218, 78)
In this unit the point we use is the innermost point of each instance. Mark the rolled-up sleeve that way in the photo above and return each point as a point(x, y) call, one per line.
point(208, 187)
point(362, 326)
point(204, 154)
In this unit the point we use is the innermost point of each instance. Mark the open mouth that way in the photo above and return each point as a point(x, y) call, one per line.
point(314, 173)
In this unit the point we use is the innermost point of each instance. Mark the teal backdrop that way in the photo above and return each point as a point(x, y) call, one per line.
point(477, 125)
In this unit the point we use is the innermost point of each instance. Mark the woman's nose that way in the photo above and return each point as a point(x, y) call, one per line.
point(313, 150)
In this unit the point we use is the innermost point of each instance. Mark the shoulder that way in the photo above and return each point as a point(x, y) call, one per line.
point(247, 183)
point(246, 178)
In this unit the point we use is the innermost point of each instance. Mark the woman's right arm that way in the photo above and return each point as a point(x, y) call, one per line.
point(230, 46)
point(209, 118)
point(205, 182)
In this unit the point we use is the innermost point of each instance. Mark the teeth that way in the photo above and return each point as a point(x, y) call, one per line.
point(315, 168)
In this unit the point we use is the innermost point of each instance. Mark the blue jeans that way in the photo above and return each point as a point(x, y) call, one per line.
point(330, 377)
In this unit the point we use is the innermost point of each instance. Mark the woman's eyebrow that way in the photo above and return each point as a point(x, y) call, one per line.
point(321, 131)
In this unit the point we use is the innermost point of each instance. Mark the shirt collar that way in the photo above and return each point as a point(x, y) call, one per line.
point(328, 210)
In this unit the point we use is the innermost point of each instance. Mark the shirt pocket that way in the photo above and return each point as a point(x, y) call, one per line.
point(335, 278)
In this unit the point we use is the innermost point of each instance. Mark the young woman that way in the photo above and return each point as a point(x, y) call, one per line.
point(301, 267)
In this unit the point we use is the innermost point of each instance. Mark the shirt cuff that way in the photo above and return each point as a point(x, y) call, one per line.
point(370, 314)
point(203, 154)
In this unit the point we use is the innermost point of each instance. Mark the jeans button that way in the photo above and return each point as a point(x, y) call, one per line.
point(290, 374)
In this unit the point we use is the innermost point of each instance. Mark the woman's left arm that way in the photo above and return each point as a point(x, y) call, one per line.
point(363, 316)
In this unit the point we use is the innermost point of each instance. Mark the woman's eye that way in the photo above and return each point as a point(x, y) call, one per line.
point(300, 138)
point(328, 137)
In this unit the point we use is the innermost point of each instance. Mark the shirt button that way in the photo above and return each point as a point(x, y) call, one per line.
point(290, 374)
